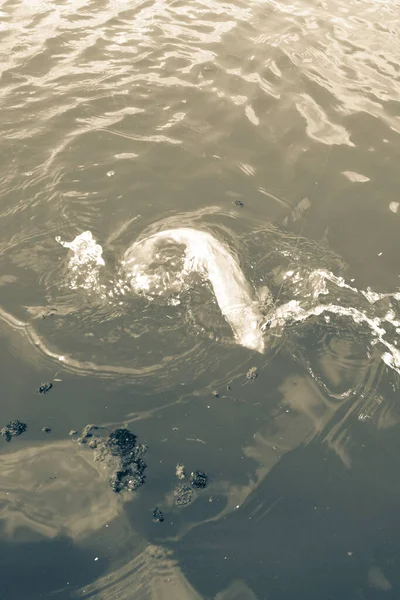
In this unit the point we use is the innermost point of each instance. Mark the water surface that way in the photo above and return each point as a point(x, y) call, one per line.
point(274, 128)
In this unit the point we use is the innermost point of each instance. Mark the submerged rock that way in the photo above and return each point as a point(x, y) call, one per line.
point(13, 429)
point(121, 455)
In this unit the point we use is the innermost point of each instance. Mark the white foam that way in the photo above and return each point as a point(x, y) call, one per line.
point(84, 262)
point(292, 311)
point(84, 248)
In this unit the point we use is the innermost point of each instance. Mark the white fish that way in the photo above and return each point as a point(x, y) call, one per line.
point(207, 255)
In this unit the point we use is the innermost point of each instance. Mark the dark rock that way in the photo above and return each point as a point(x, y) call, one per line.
point(183, 494)
point(238, 203)
point(198, 480)
point(13, 429)
point(46, 429)
point(158, 517)
point(45, 387)
point(252, 373)
point(121, 455)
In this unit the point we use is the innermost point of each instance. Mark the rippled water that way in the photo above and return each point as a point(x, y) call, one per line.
point(273, 129)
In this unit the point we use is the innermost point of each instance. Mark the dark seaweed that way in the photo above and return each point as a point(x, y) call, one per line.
point(13, 429)
point(45, 387)
point(183, 494)
point(121, 454)
point(158, 517)
point(198, 480)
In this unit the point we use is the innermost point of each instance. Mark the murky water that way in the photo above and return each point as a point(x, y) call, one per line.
point(190, 191)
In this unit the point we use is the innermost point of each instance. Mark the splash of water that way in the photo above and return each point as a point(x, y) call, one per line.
point(155, 267)
point(84, 262)
point(293, 311)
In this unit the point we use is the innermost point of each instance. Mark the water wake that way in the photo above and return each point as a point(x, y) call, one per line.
point(164, 263)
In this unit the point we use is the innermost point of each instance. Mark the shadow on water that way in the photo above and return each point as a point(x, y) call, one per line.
point(61, 525)
point(291, 511)
point(45, 568)
point(309, 519)
point(313, 529)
